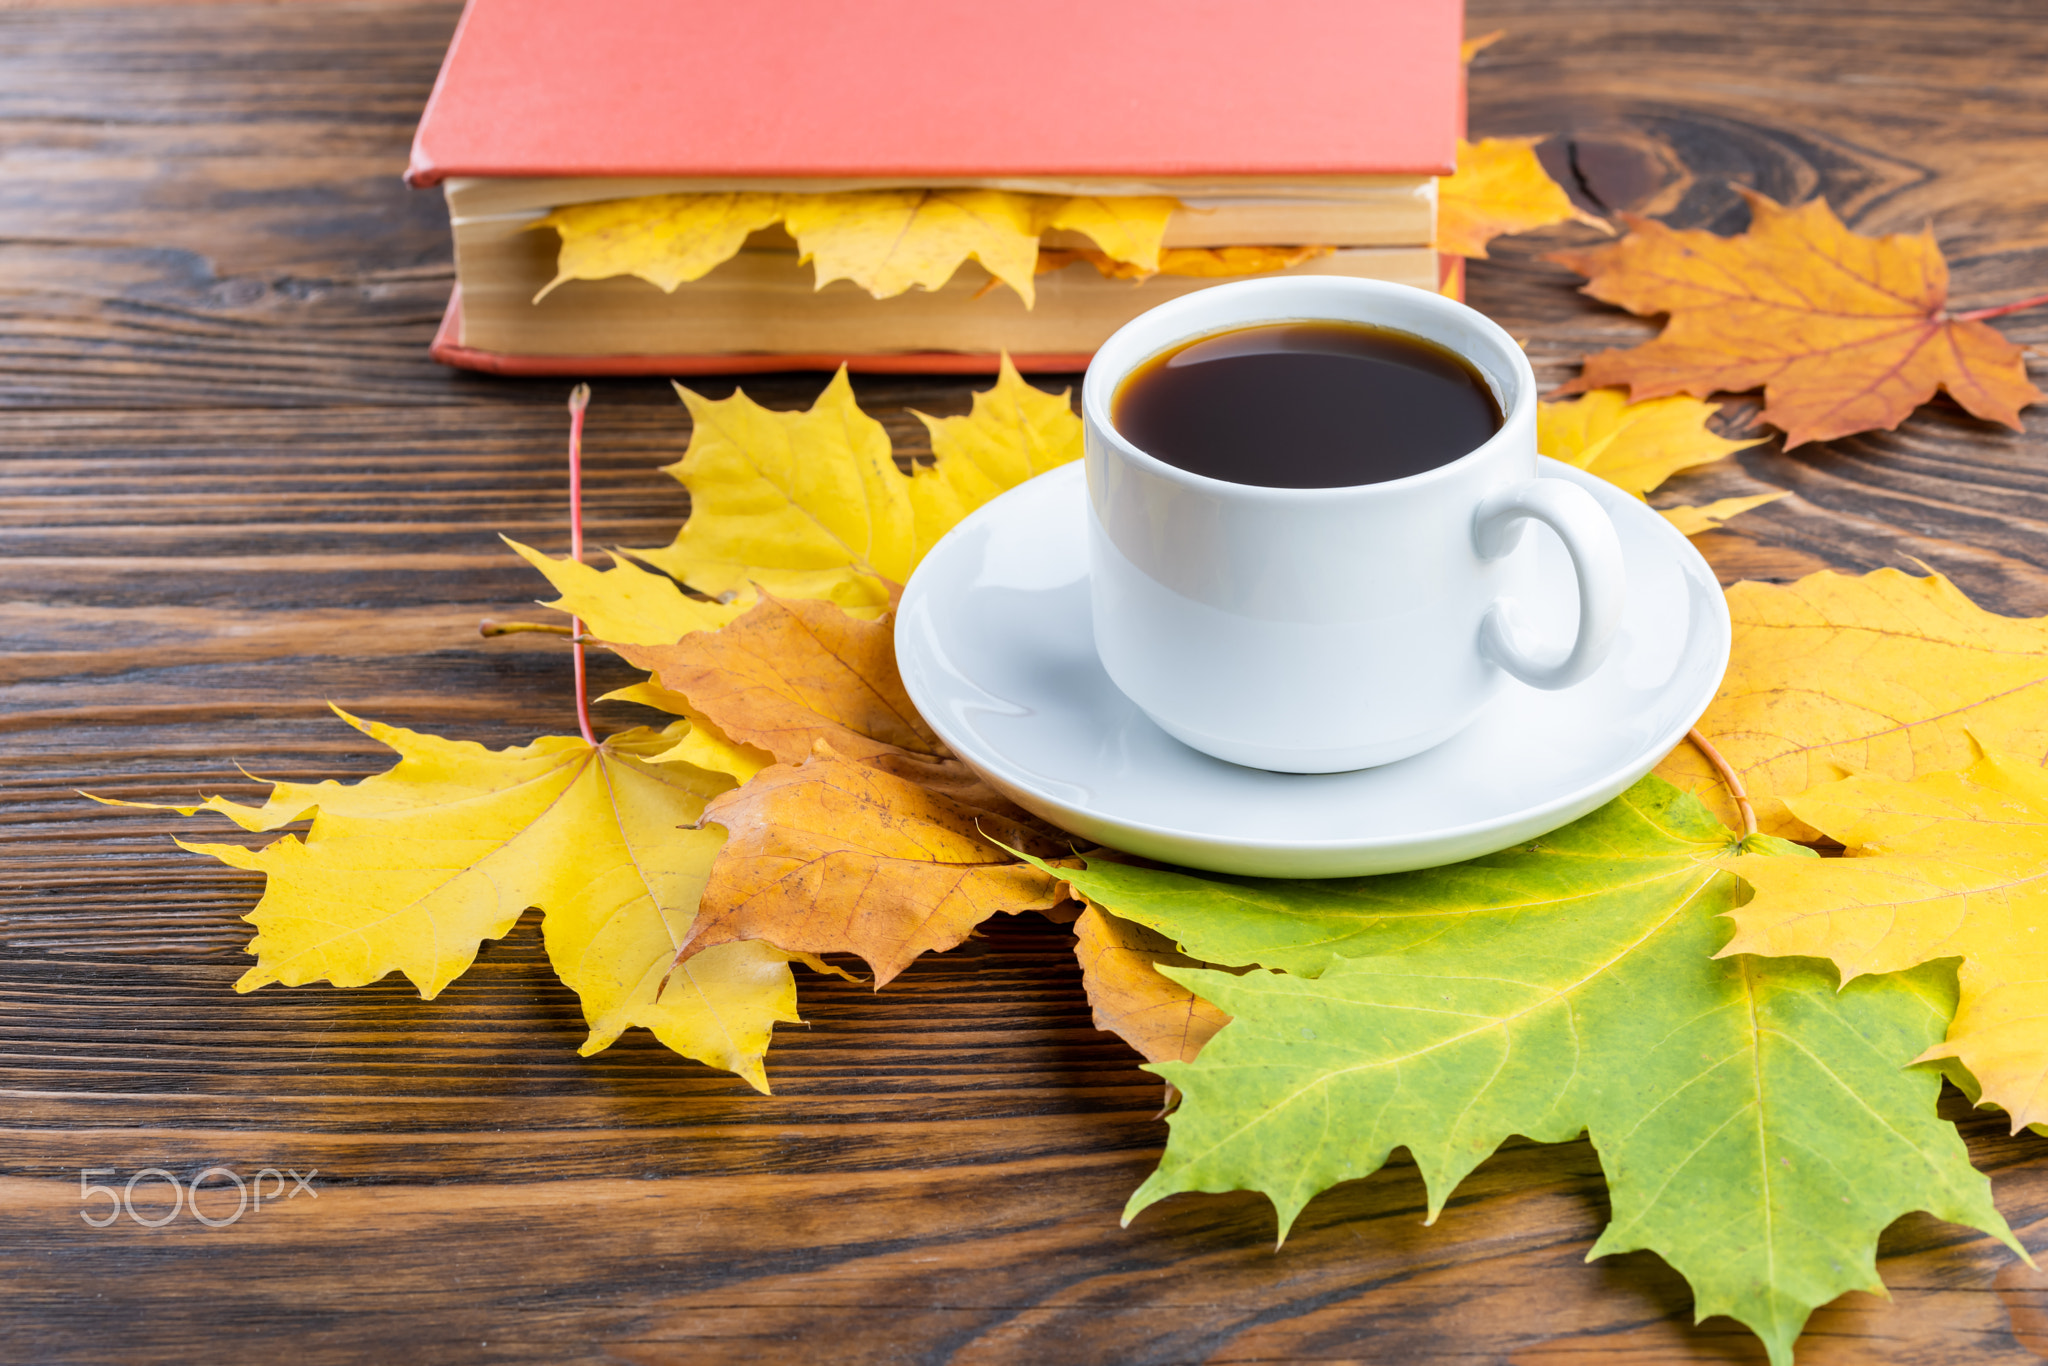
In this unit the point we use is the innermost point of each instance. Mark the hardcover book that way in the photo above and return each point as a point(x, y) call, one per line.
point(1294, 135)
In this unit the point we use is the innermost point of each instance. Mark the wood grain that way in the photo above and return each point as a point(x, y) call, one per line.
point(233, 490)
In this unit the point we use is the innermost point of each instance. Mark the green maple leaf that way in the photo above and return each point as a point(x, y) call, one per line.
point(1758, 1127)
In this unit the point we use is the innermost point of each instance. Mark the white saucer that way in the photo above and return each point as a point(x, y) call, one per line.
point(994, 641)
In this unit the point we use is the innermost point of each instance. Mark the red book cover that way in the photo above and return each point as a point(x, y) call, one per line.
point(932, 89)
point(945, 88)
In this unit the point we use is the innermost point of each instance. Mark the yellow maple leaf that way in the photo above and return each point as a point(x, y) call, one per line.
point(1224, 262)
point(1886, 675)
point(410, 870)
point(1636, 446)
point(1500, 187)
point(1947, 865)
point(704, 745)
point(1692, 521)
point(665, 239)
point(1199, 262)
point(1127, 229)
point(807, 504)
point(1472, 47)
point(1014, 432)
point(811, 504)
point(887, 241)
point(1844, 333)
point(627, 605)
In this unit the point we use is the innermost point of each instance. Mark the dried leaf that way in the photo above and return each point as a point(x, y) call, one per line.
point(791, 673)
point(810, 505)
point(1120, 961)
point(703, 745)
point(410, 870)
point(1198, 262)
point(1692, 521)
point(868, 836)
point(803, 504)
point(1206, 262)
point(1635, 446)
point(1757, 1127)
point(1844, 333)
point(665, 239)
point(1126, 229)
point(1472, 47)
point(1500, 188)
point(885, 241)
point(626, 603)
point(1015, 432)
point(837, 856)
point(1886, 675)
point(1946, 865)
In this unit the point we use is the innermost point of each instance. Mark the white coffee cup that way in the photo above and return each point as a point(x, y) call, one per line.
point(1327, 629)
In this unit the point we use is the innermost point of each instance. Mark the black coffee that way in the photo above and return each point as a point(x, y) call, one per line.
point(1309, 405)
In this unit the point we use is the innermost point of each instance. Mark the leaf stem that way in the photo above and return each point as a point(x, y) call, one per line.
point(2000, 310)
point(1728, 779)
point(579, 400)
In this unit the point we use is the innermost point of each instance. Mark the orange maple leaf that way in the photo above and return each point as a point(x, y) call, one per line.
point(868, 835)
point(1472, 47)
point(1844, 333)
point(850, 858)
point(1207, 262)
point(791, 672)
point(1163, 1020)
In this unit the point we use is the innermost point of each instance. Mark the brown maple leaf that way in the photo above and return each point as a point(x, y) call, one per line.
point(850, 858)
point(868, 835)
point(792, 672)
point(1844, 333)
point(1159, 1017)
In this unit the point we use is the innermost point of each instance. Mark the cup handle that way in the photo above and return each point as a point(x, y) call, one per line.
point(1588, 535)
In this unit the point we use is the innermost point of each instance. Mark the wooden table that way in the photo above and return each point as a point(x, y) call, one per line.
point(233, 488)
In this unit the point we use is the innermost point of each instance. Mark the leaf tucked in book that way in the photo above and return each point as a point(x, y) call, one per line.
point(666, 240)
point(885, 241)
point(1204, 262)
point(1757, 1127)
